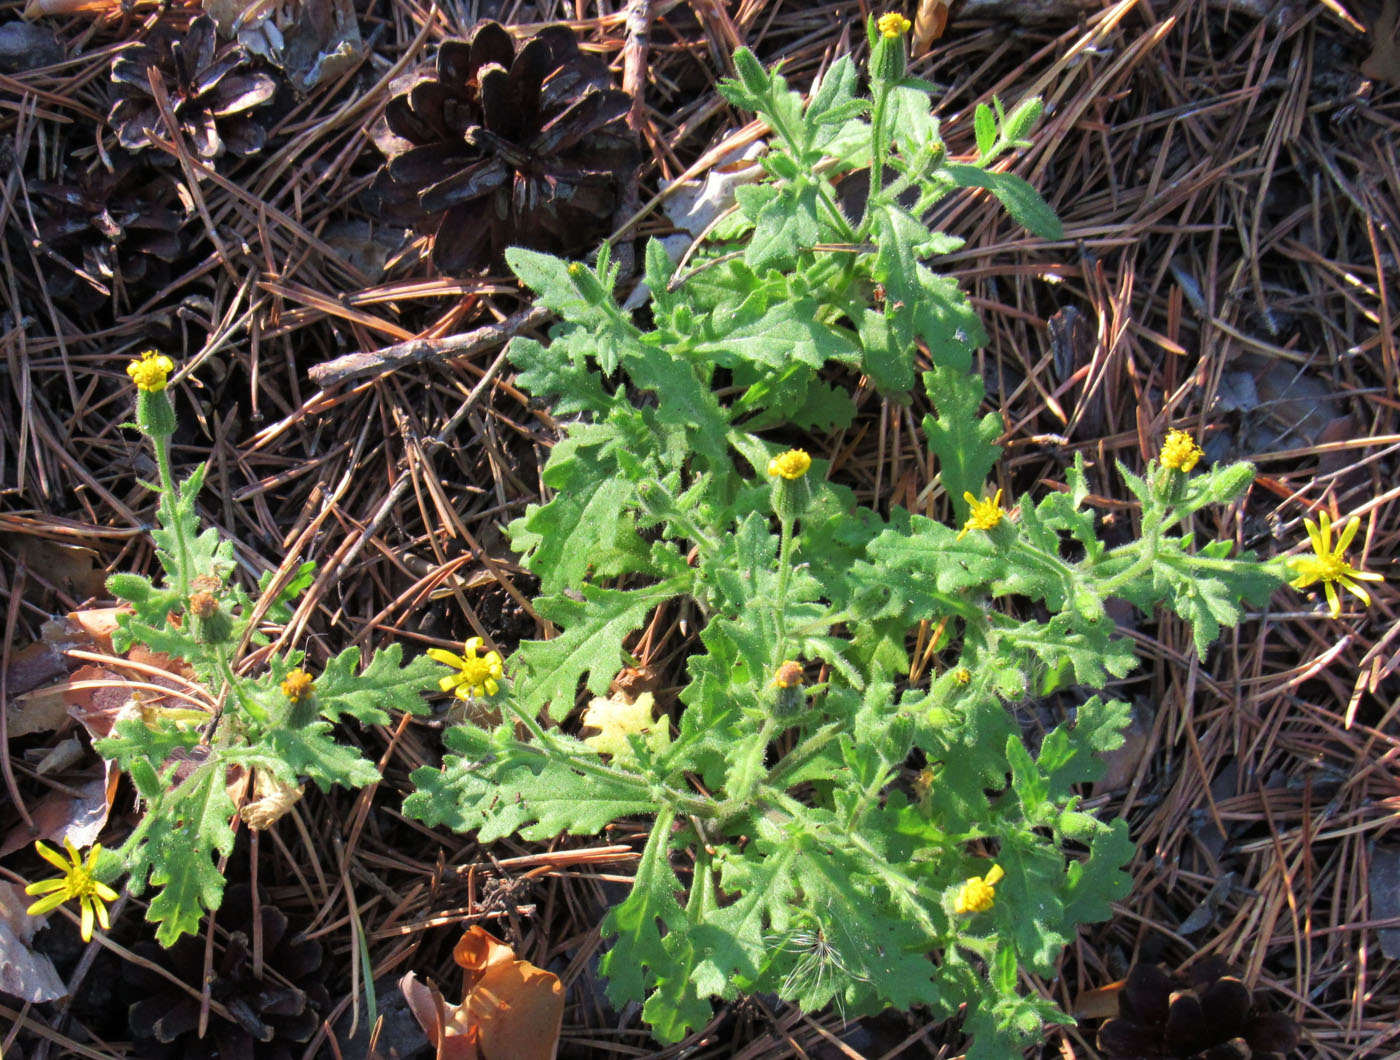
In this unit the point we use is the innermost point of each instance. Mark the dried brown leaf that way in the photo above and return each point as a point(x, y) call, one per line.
point(78, 813)
point(510, 1010)
point(27, 975)
point(929, 24)
point(1383, 64)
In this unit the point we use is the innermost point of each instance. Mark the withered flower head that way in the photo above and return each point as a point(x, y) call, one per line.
point(510, 147)
point(209, 92)
point(203, 605)
point(1213, 1016)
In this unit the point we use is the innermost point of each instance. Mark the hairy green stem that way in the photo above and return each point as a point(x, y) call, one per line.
point(170, 493)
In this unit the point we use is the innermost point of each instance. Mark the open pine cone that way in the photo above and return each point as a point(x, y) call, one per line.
point(273, 1015)
point(209, 90)
point(1213, 1017)
point(508, 148)
point(106, 233)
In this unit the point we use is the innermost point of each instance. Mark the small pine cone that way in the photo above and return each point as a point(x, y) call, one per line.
point(209, 90)
point(508, 147)
point(1211, 1017)
point(274, 1016)
point(107, 233)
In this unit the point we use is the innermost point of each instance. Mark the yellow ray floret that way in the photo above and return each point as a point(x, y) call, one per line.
point(790, 465)
point(1180, 451)
point(893, 24)
point(78, 881)
point(985, 514)
point(979, 893)
point(1328, 565)
point(150, 371)
point(475, 676)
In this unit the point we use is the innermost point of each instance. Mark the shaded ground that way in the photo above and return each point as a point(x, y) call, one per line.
point(1228, 186)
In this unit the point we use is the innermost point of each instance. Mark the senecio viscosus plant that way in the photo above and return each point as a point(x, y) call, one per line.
point(821, 828)
point(824, 825)
point(270, 729)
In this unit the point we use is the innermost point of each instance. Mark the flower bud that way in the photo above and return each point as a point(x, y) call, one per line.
point(155, 416)
point(887, 59)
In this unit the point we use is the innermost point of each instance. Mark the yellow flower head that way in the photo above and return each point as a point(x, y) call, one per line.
point(985, 514)
point(150, 371)
point(1180, 451)
point(77, 882)
point(790, 465)
point(962, 675)
point(298, 685)
point(1327, 565)
point(475, 676)
point(978, 893)
point(789, 675)
point(893, 24)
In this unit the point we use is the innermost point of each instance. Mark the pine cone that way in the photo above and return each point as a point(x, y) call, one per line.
point(273, 1021)
point(210, 94)
point(508, 148)
point(1213, 1017)
point(106, 233)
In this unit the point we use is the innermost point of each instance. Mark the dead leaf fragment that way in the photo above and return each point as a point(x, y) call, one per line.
point(77, 812)
point(27, 975)
point(1383, 64)
point(929, 23)
point(510, 1010)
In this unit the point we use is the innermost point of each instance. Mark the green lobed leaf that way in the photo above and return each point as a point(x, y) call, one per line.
point(638, 958)
point(183, 830)
point(785, 222)
point(311, 752)
point(589, 648)
point(559, 372)
point(962, 442)
point(386, 683)
point(499, 788)
point(279, 608)
point(1068, 755)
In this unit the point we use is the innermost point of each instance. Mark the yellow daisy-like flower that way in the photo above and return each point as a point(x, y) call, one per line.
point(77, 882)
point(298, 685)
point(1328, 565)
point(475, 676)
point(150, 371)
point(893, 24)
point(979, 892)
point(985, 514)
point(962, 675)
point(790, 465)
point(1180, 451)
